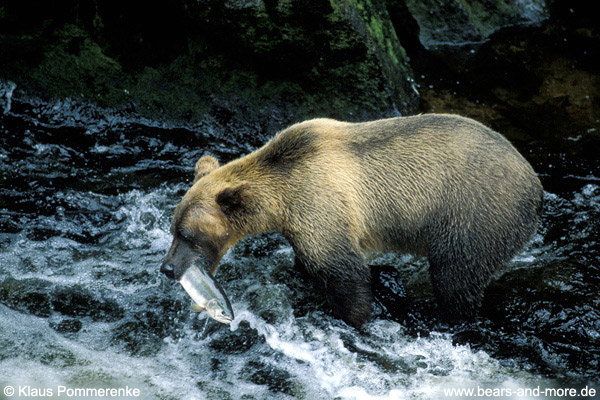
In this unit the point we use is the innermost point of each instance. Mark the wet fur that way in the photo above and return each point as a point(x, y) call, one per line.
point(442, 186)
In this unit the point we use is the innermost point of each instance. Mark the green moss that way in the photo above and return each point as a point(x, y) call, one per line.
point(477, 16)
point(391, 52)
point(376, 22)
point(343, 61)
point(372, 19)
point(388, 40)
point(172, 91)
point(75, 66)
point(376, 29)
point(488, 19)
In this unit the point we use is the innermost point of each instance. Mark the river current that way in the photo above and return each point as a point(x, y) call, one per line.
point(86, 198)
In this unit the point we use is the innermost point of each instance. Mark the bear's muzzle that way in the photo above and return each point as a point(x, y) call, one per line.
point(168, 270)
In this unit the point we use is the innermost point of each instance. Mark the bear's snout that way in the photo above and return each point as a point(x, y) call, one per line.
point(181, 255)
point(168, 270)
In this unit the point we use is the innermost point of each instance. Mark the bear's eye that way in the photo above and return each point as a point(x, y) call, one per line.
point(185, 235)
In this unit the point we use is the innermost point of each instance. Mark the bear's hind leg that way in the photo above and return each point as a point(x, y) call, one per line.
point(459, 282)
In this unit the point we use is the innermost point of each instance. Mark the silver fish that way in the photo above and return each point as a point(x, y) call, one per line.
point(207, 293)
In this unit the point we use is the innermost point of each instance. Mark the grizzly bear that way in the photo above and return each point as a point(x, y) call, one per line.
point(437, 185)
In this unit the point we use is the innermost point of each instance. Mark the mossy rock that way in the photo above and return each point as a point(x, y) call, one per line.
point(371, 20)
point(451, 23)
point(237, 63)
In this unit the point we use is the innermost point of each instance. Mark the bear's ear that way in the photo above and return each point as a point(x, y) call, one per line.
point(234, 199)
point(204, 166)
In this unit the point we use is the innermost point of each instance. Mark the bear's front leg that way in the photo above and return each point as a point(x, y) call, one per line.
point(346, 280)
point(350, 298)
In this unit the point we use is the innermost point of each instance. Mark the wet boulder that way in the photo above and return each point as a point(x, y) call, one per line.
point(547, 316)
point(137, 336)
point(142, 330)
point(446, 24)
point(237, 342)
point(389, 293)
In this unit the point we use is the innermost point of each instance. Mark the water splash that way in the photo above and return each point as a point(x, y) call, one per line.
point(6, 92)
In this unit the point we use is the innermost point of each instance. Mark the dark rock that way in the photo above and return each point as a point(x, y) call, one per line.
point(28, 295)
point(137, 340)
point(452, 23)
point(384, 362)
point(546, 316)
point(237, 342)
point(389, 292)
point(538, 85)
point(372, 21)
point(139, 335)
point(75, 301)
point(276, 379)
point(143, 332)
point(57, 357)
point(213, 392)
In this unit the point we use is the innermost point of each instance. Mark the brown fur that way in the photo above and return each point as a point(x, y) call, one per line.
point(437, 185)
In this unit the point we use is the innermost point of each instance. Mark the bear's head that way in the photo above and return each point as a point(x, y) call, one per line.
point(205, 223)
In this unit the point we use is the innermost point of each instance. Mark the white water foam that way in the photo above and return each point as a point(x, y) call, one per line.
point(325, 356)
point(7, 89)
point(417, 367)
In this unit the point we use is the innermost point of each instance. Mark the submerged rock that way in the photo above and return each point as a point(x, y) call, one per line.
point(548, 316)
point(137, 337)
point(28, 295)
point(237, 342)
point(43, 298)
point(276, 379)
point(76, 301)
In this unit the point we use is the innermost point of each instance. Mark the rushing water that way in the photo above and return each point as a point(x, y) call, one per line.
point(85, 204)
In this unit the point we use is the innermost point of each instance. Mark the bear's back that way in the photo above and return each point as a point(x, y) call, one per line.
point(421, 154)
point(444, 145)
point(407, 170)
point(420, 133)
